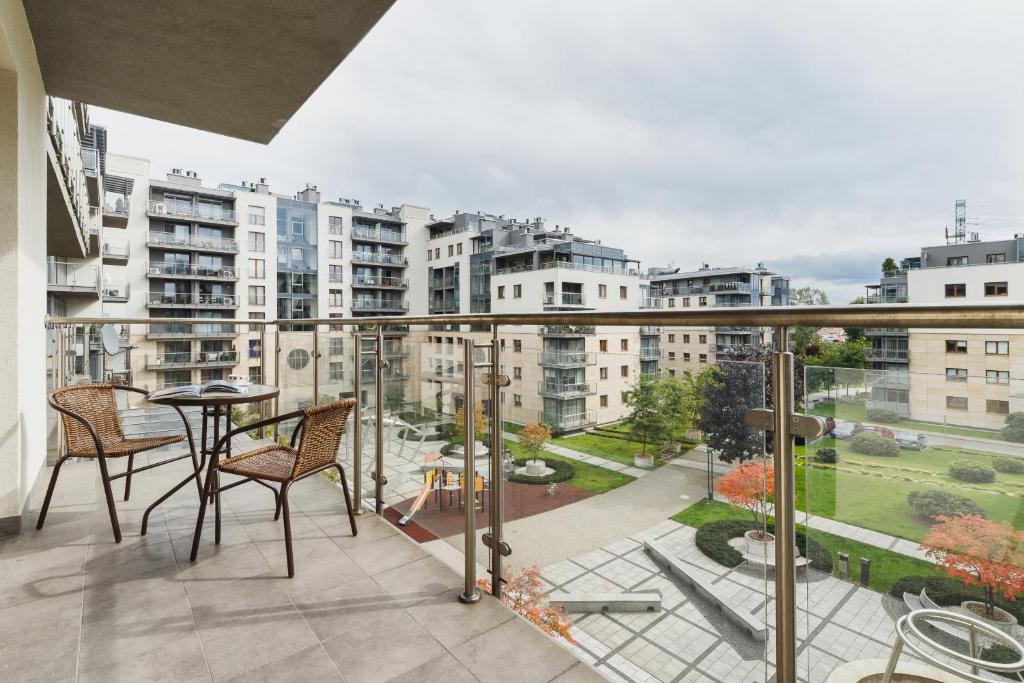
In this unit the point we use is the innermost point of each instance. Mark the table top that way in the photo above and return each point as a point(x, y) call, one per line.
point(253, 393)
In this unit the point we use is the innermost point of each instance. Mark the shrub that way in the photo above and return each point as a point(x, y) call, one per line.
point(882, 415)
point(1014, 429)
point(1000, 654)
point(563, 471)
point(870, 443)
point(971, 470)
point(947, 591)
point(712, 539)
point(826, 455)
point(935, 503)
point(1008, 465)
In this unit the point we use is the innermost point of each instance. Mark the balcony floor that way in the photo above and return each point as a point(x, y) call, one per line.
point(76, 606)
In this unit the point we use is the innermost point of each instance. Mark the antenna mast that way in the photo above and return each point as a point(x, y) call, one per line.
point(959, 233)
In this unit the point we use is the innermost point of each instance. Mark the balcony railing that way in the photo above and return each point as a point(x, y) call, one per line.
point(202, 213)
point(191, 330)
point(567, 359)
point(162, 300)
point(649, 353)
point(116, 209)
point(72, 278)
point(191, 359)
point(372, 257)
point(586, 267)
point(378, 235)
point(561, 390)
point(190, 271)
point(116, 291)
point(887, 354)
point(568, 423)
point(167, 240)
point(369, 281)
point(116, 250)
point(565, 299)
point(568, 330)
point(885, 331)
point(651, 302)
point(379, 305)
point(650, 331)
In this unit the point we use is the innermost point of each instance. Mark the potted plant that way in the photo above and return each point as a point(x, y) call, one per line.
point(751, 485)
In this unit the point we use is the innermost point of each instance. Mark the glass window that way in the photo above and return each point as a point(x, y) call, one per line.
point(604, 373)
point(956, 346)
point(336, 371)
point(257, 215)
point(996, 289)
point(956, 402)
point(623, 292)
point(336, 346)
point(334, 273)
point(624, 371)
point(335, 298)
point(458, 248)
point(956, 374)
point(501, 292)
point(257, 242)
point(334, 249)
point(997, 407)
point(956, 260)
point(334, 225)
point(255, 349)
point(257, 268)
point(995, 258)
point(956, 290)
point(517, 291)
point(603, 344)
point(602, 291)
point(257, 295)
point(997, 348)
point(624, 344)
point(604, 400)
point(997, 376)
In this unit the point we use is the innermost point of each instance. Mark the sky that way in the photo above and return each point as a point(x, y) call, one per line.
point(817, 138)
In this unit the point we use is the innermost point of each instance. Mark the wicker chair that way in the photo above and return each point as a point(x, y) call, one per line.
point(321, 428)
point(92, 429)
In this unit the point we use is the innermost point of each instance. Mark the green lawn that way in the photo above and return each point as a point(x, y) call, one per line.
point(604, 447)
point(586, 476)
point(886, 566)
point(855, 411)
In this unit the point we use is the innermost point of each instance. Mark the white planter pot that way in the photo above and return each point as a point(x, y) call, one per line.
point(759, 547)
point(643, 460)
point(693, 435)
point(1007, 623)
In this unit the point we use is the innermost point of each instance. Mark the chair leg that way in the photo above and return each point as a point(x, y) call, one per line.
point(109, 493)
point(216, 508)
point(287, 530)
point(348, 499)
point(128, 477)
point(49, 492)
point(203, 502)
point(277, 504)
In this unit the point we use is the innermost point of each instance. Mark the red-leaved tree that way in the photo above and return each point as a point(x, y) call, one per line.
point(524, 593)
point(980, 552)
point(750, 485)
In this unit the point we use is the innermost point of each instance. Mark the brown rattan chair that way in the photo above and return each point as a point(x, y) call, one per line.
point(321, 428)
point(92, 429)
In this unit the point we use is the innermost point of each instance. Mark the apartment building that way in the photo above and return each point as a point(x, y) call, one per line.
point(690, 348)
point(953, 376)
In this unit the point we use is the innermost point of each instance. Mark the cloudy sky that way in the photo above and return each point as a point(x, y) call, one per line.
point(816, 137)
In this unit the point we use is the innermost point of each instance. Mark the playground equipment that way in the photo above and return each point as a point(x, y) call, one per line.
point(428, 485)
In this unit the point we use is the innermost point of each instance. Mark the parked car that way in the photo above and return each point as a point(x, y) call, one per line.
point(883, 432)
point(912, 440)
point(846, 430)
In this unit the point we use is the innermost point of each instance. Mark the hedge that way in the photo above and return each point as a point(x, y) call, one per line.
point(712, 539)
point(882, 415)
point(933, 503)
point(1008, 465)
point(870, 443)
point(563, 471)
point(972, 470)
point(826, 455)
point(947, 591)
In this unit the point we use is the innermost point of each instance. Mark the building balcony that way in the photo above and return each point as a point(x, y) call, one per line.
point(379, 306)
point(166, 240)
point(192, 331)
point(565, 299)
point(116, 252)
point(191, 359)
point(396, 350)
point(897, 355)
point(889, 380)
point(568, 423)
point(651, 302)
point(895, 406)
point(886, 331)
point(364, 234)
point(116, 291)
point(588, 268)
point(200, 214)
point(567, 359)
point(382, 259)
point(370, 282)
point(650, 353)
point(116, 210)
point(649, 331)
point(568, 330)
point(72, 278)
point(212, 301)
point(190, 271)
point(565, 391)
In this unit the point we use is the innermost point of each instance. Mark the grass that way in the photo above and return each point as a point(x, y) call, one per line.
point(609, 447)
point(586, 476)
point(855, 411)
point(886, 566)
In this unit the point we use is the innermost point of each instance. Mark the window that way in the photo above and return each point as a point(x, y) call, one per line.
point(437, 253)
point(257, 268)
point(703, 339)
point(517, 291)
point(703, 358)
point(623, 292)
point(517, 400)
point(603, 373)
point(336, 371)
point(501, 291)
point(334, 225)
point(671, 303)
point(256, 375)
point(997, 348)
point(517, 372)
point(624, 371)
point(255, 348)
point(624, 345)
point(686, 302)
point(956, 260)
point(334, 248)
point(335, 346)
point(956, 374)
point(995, 258)
point(671, 355)
point(996, 289)
point(703, 301)
point(430, 254)
point(451, 249)
point(997, 407)
point(602, 345)
point(257, 242)
point(671, 338)
point(624, 397)
point(997, 377)
point(517, 345)
point(956, 346)
point(956, 290)
point(686, 339)
point(257, 295)
point(956, 403)
point(686, 356)
point(602, 291)
point(334, 273)
point(257, 215)
point(458, 248)
point(604, 400)
point(335, 298)
point(671, 372)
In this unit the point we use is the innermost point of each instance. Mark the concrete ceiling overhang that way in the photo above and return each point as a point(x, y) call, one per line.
point(236, 67)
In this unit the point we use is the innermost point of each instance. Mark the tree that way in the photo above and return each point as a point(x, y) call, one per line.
point(532, 439)
point(674, 396)
point(647, 421)
point(1014, 429)
point(889, 266)
point(980, 552)
point(854, 333)
point(524, 593)
point(808, 296)
point(480, 423)
point(849, 354)
point(394, 396)
point(806, 339)
point(750, 485)
point(697, 386)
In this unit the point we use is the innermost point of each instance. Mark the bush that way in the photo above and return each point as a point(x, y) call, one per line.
point(712, 539)
point(870, 443)
point(1014, 429)
point(882, 415)
point(826, 455)
point(947, 591)
point(936, 503)
point(563, 471)
point(1008, 465)
point(971, 470)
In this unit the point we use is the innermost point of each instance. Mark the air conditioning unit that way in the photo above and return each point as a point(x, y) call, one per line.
point(229, 301)
point(159, 207)
point(154, 270)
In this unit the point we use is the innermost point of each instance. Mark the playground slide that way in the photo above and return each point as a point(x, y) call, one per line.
point(428, 486)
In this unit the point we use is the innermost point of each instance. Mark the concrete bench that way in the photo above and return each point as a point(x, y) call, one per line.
point(737, 614)
point(580, 603)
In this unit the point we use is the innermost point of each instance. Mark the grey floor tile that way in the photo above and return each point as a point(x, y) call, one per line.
point(444, 669)
point(581, 673)
point(418, 580)
point(453, 622)
point(311, 665)
point(39, 639)
point(381, 648)
point(384, 554)
point(518, 642)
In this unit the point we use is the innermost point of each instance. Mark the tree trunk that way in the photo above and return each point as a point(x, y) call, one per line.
point(990, 602)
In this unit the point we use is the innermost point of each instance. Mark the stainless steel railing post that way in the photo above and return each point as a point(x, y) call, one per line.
point(277, 375)
point(785, 508)
point(357, 426)
point(470, 592)
point(316, 364)
point(497, 464)
point(378, 476)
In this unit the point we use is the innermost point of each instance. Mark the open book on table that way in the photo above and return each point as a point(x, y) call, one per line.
point(211, 387)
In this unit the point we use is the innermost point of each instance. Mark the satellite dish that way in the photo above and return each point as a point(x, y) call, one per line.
point(111, 339)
